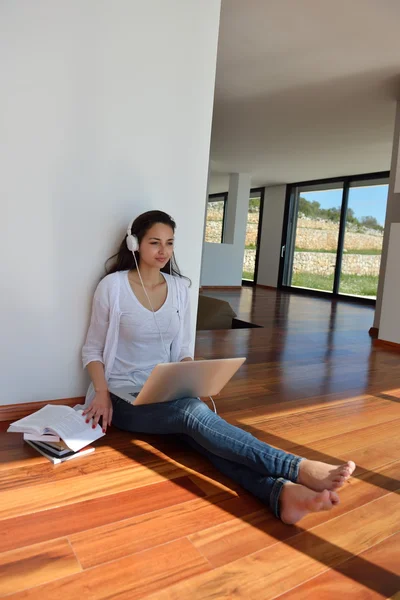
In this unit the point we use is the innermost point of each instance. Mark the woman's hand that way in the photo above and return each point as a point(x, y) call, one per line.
point(100, 407)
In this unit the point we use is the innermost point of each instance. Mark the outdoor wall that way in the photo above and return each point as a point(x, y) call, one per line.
point(106, 112)
point(317, 234)
point(323, 263)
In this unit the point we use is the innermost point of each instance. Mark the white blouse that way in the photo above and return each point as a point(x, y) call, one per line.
point(124, 336)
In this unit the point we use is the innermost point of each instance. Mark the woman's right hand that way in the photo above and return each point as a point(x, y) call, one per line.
point(101, 407)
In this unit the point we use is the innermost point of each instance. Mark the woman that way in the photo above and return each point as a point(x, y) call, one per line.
point(141, 317)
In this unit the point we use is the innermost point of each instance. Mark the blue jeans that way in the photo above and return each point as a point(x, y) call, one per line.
point(257, 467)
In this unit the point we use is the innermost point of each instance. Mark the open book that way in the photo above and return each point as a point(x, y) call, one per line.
point(63, 421)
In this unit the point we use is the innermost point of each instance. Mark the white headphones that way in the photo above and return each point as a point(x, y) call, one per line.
point(131, 240)
point(133, 245)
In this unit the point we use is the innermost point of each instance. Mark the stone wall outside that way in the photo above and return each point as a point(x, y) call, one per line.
point(312, 235)
point(323, 235)
point(323, 263)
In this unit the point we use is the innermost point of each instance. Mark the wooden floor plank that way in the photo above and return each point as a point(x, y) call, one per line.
point(129, 578)
point(212, 482)
point(279, 406)
point(47, 496)
point(283, 566)
point(65, 520)
point(236, 539)
point(352, 580)
point(363, 453)
point(112, 452)
point(304, 428)
point(374, 455)
point(95, 546)
point(357, 438)
point(35, 565)
point(149, 517)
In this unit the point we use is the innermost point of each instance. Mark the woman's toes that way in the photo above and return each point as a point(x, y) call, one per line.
point(296, 501)
point(336, 485)
point(334, 498)
point(319, 476)
point(339, 479)
point(348, 470)
point(328, 499)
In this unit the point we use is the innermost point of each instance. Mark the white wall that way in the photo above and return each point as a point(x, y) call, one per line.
point(222, 265)
point(218, 183)
point(389, 329)
point(271, 235)
point(397, 176)
point(106, 112)
point(392, 214)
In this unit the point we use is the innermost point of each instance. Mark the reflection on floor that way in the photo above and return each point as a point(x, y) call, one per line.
point(146, 517)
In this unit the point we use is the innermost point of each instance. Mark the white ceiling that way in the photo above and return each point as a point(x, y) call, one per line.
point(305, 89)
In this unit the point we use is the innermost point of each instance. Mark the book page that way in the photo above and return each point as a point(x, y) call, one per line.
point(74, 430)
point(39, 420)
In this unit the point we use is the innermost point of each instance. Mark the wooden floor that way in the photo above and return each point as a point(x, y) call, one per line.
point(145, 517)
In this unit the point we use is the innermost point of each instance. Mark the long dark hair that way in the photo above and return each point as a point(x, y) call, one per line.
point(123, 260)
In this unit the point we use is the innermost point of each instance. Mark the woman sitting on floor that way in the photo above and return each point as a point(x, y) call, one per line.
point(145, 298)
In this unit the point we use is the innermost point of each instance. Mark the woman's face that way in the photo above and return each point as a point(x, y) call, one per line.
point(157, 246)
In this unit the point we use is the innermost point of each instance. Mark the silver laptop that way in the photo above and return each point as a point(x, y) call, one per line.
point(172, 381)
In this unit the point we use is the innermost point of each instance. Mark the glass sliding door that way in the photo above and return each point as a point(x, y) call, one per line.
point(333, 234)
point(362, 248)
point(253, 227)
point(316, 237)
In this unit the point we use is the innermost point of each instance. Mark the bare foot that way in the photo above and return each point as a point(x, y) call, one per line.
point(297, 501)
point(320, 476)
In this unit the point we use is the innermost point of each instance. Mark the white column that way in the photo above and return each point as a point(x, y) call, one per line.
point(271, 235)
point(389, 325)
point(237, 209)
point(392, 214)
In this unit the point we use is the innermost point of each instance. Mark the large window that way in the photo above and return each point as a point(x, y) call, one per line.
point(215, 219)
point(363, 238)
point(333, 235)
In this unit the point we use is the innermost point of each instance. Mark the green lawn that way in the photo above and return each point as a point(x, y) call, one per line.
point(248, 275)
point(354, 285)
point(368, 251)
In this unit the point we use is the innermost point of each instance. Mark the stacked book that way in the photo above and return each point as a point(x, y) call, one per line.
point(59, 433)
